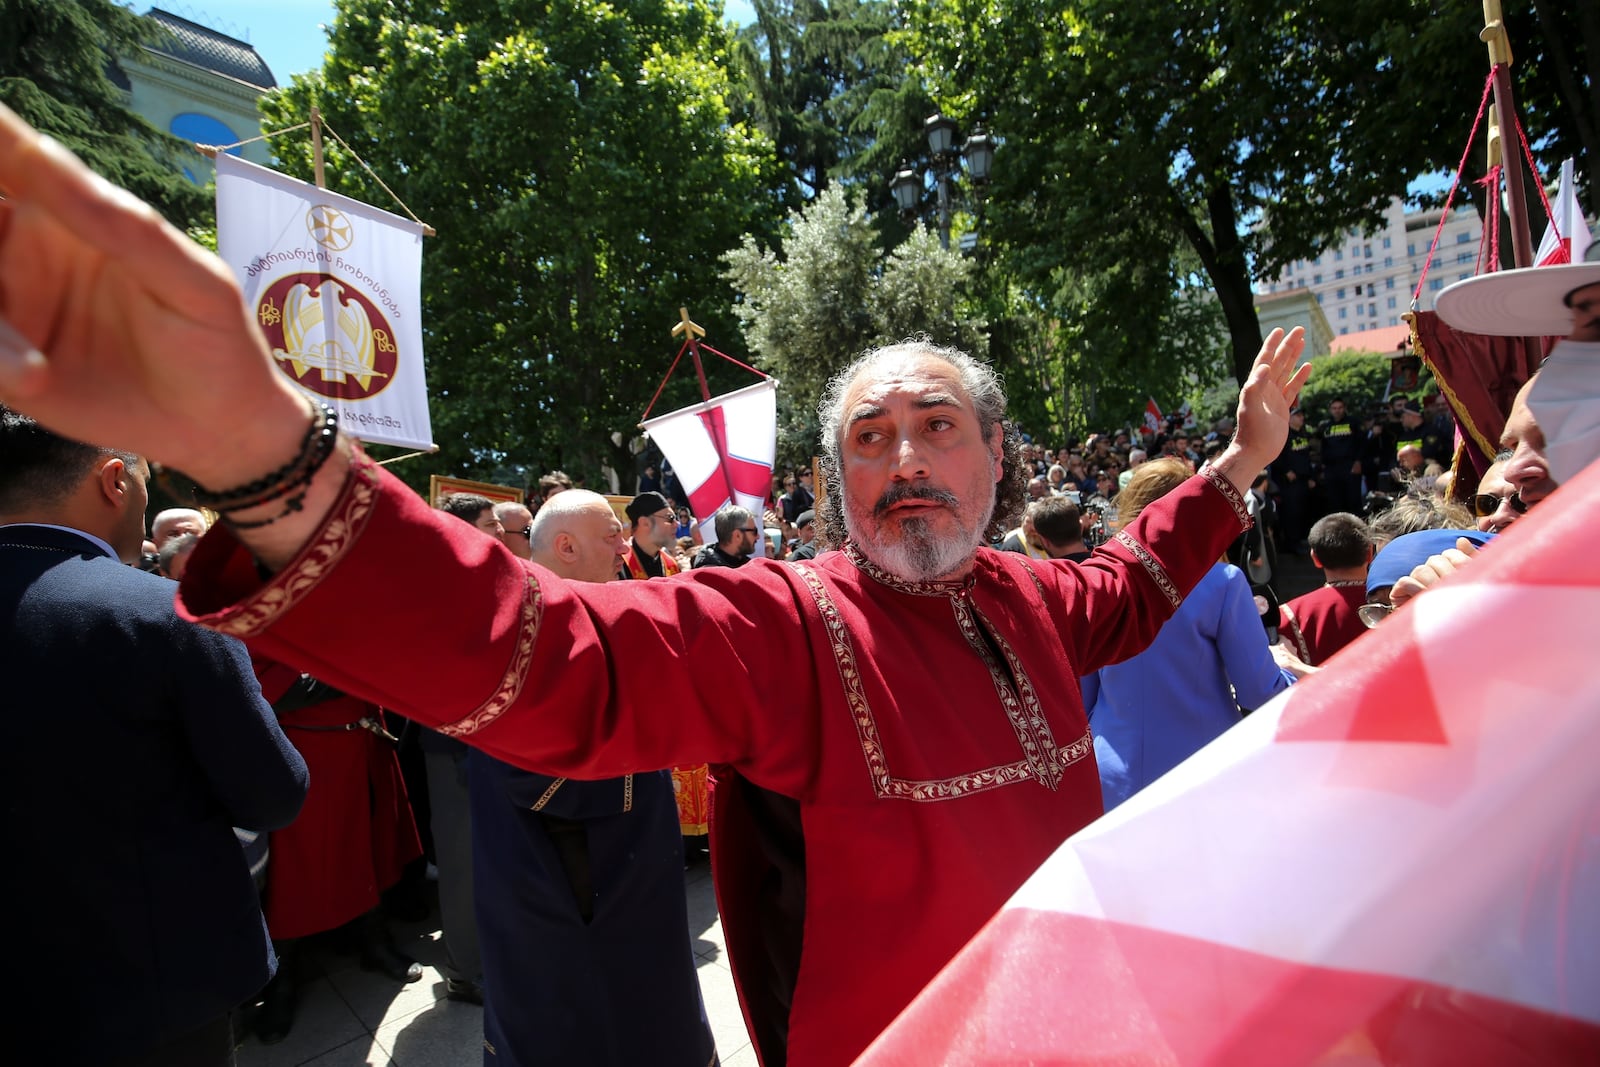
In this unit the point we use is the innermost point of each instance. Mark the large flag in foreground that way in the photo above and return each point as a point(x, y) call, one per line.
point(336, 285)
point(722, 451)
point(1396, 862)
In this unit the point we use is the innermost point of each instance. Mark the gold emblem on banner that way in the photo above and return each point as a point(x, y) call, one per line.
point(329, 228)
point(328, 336)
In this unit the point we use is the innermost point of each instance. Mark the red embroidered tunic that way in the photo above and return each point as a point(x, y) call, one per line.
point(932, 735)
point(1324, 620)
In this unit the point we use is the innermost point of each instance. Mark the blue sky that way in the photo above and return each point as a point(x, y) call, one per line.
point(288, 33)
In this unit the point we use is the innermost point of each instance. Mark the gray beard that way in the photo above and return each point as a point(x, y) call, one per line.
point(920, 555)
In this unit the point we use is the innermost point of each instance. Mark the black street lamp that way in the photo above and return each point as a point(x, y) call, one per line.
point(977, 151)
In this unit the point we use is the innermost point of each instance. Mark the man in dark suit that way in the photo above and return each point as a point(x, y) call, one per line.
point(580, 895)
point(135, 742)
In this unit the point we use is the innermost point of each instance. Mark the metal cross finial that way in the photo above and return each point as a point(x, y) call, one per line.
point(688, 325)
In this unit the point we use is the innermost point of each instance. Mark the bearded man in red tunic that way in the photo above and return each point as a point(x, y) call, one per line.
point(903, 715)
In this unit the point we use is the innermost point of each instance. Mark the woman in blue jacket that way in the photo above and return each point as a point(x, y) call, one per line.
point(1154, 711)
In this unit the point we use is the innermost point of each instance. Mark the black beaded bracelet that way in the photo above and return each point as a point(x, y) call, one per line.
point(314, 451)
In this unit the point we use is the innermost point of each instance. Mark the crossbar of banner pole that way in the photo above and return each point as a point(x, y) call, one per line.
point(408, 455)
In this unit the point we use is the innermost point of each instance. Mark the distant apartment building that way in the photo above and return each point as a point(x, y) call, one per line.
point(198, 84)
point(1365, 282)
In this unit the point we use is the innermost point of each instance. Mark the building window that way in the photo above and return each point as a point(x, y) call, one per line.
point(1343, 330)
point(1342, 313)
point(1386, 242)
point(1388, 261)
point(1388, 283)
point(1372, 311)
point(1436, 285)
point(1360, 311)
point(1316, 279)
point(1462, 277)
point(1339, 294)
point(1411, 250)
point(1317, 262)
point(1338, 254)
point(1366, 251)
point(1391, 304)
point(1339, 273)
point(1319, 298)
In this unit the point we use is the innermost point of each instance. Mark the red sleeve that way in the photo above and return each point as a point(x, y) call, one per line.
point(1116, 601)
point(439, 622)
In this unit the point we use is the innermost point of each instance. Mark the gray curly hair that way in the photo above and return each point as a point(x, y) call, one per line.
point(988, 395)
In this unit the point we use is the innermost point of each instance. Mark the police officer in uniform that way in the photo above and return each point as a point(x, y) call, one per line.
point(1343, 441)
point(1295, 479)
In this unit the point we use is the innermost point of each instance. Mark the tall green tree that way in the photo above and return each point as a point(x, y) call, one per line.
point(827, 291)
point(583, 172)
point(1245, 132)
point(54, 62)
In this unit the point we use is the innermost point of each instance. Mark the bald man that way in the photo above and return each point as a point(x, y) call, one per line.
point(579, 885)
point(175, 522)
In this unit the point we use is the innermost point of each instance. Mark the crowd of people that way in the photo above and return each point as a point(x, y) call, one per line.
point(897, 725)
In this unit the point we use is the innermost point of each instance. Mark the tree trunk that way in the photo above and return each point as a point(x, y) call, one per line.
point(1222, 255)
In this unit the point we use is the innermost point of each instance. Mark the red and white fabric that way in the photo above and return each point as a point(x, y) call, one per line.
point(1396, 862)
point(722, 452)
point(1152, 416)
point(1566, 237)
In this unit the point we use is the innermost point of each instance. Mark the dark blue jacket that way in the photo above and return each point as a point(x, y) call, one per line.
point(134, 743)
point(605, 981)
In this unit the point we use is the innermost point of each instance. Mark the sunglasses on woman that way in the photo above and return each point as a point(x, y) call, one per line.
point(1486, 504)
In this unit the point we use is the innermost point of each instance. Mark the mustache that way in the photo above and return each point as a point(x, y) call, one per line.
point(904, 491)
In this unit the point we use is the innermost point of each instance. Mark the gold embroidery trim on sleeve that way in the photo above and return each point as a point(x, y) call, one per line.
point(332, 541)
point(516, 673)
point(1230, 492)
point(1152, 567)
point(544, 798)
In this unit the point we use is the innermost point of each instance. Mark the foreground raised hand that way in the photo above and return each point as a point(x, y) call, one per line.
point(117, 329)
point(1269, 392)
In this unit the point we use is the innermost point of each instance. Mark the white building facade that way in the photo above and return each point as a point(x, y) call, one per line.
point(1364, 282)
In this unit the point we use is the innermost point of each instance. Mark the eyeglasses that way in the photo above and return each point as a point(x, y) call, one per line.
point(527, 531)
point(751, 530)
point(1486, 504)
point(1373, 614)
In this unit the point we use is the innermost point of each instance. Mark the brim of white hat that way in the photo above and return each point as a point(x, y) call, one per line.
point(1516, 303)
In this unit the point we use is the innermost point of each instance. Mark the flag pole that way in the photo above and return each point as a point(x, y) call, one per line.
point(1494, 35)
point(692, 332)
point(316, 147)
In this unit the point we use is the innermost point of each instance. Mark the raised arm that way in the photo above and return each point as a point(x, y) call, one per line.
point(117, 329)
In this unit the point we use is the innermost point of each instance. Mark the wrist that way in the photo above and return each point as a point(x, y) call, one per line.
point(1240, 466)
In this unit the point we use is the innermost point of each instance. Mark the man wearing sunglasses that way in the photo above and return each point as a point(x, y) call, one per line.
point(737, 534)
point(1497, 504)
point(515, 520)
point(655, 527)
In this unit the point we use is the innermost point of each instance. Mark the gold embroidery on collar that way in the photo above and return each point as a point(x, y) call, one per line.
point(1045, 760)
point(900, 585)
point(516, 671)
point(1021, 702)
point(1152, 566)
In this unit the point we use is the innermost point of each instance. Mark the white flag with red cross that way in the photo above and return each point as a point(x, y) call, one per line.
point(722, 452)
point(1395, 862)
point(1566, 236)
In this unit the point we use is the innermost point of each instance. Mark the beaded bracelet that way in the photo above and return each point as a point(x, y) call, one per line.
point(314, 452)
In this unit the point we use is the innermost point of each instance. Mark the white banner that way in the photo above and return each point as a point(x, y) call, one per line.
point(336, 286)
point(722, 452)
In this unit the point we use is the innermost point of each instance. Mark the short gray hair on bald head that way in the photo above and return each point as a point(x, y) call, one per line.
point(988, 394)
point(557, 512)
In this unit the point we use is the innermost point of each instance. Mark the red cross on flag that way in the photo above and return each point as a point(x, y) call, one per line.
point(1395, 862)
point(722, 451)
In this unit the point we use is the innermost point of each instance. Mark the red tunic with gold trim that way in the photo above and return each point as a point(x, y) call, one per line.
point(930, 739)
point(355, 833)
point(690, 785)
point(1323, 621)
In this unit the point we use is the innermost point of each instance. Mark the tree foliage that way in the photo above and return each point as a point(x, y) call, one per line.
point(1247, 132)
point(580, 164)
point(827, 292)
point(54, 58)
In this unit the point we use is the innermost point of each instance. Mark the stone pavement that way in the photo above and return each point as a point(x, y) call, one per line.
point(349, 1018)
